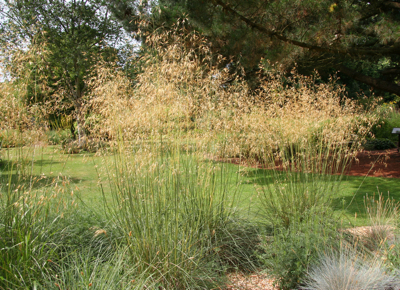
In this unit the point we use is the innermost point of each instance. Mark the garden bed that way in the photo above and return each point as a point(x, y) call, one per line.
point(378, 163)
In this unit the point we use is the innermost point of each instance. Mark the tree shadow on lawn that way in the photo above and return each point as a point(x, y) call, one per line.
point(350, 185)
point(353, 190)
point(24, 178)
point(7, 165)
point(33, 181)
point(267, 176)
point(259, 176)
point(42, 163)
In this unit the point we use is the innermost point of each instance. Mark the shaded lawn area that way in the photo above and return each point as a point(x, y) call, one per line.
point(349, 200)
point(81, 170)
point(354, 190)
point(49, 161)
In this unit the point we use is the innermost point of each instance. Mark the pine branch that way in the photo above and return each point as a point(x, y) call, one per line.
point(374, 82)
point(394, 49)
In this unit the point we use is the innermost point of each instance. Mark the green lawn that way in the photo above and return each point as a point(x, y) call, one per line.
point(82, 171)
point(51, 162)
point(348, 201)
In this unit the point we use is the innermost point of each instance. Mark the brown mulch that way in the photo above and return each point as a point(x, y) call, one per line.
point(379, 163)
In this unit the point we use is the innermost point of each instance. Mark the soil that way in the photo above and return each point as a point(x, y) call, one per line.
point(379, 163)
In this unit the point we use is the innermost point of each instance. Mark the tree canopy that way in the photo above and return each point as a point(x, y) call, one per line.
point(360, 39)
point(77, 34)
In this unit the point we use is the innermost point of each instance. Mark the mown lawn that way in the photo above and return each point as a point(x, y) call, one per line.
point(83, 171)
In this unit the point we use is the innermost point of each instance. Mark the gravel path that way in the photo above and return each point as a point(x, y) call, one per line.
point(239, 281)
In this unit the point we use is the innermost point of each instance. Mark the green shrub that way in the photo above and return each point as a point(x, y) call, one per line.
point(58, 137)
point(91, 145)
point(389, 118)
point(378, 144)
point(290, 251)
point(392, 256)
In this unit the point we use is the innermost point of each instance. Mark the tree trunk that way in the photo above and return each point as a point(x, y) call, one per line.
point(80, 126)
point(80, 116)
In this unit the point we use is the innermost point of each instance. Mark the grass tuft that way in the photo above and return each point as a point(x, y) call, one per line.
point(347, 270)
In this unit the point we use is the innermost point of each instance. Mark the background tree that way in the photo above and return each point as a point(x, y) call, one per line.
point(76, 33)
point(360, 39)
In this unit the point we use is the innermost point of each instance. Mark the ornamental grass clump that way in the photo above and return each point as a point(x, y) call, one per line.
point(348, 270)
point(47, 241)
point(17, 127)
point(22, 92)
point(85, 268)
point(30, 207)
point(172, 210)
point(185, 91)
point(302, 180)
point(312, 150)
point(294, 110)
point(316, 133)
point(179, 92)
point(383, 216)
